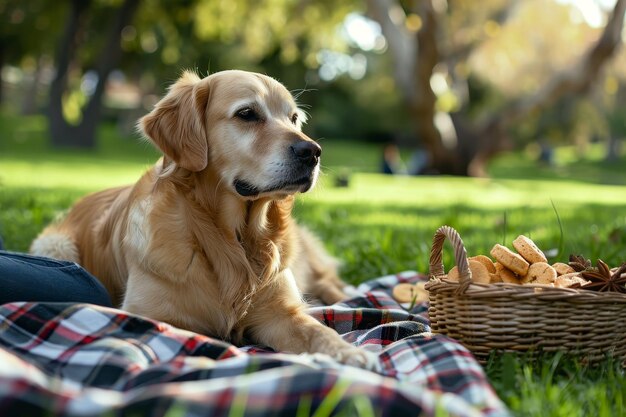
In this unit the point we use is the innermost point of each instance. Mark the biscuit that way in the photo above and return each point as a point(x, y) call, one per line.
point(453, 274)
point(420, 296)
point(506, 275)
point(511, 260)
point(540, 273)
point(562, 269)
point(485, 261)
point(567, 280)
point(480, 274)
point(529, 251)
point(406, 293)
point(495, 278)
point(525, 279)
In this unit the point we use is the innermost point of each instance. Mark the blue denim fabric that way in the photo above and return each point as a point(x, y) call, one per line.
point(33, 278)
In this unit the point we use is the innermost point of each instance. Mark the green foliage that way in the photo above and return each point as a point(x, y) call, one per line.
point(297, 29)
point(25, 28)
point(284, 38)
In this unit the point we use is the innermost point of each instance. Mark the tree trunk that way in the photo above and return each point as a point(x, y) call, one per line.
point(109, 58)
point(29, 104)
point(2, 58)
point(60, 130)
point(613, 148)
point(83, 135)
point(442, 157)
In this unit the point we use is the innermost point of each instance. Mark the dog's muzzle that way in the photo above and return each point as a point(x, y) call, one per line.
point(299, 175)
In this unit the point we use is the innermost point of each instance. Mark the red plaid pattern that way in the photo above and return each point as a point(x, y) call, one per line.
point(83, 360)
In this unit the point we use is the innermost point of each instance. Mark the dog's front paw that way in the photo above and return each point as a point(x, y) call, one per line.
point(359, 358)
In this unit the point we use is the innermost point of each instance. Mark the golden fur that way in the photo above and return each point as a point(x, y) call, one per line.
point(205, 239)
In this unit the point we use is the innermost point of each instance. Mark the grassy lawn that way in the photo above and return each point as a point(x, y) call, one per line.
point(381, 224)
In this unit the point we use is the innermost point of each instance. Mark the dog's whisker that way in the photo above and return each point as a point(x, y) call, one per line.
point(298, 92)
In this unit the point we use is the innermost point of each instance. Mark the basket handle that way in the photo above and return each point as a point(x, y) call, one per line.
point(460, 256)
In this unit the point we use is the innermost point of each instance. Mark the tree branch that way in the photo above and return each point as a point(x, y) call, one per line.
point(402, 44)
point(427, 55)
point(576, 80)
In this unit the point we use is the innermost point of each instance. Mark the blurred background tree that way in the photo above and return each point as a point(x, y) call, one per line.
point(431, 42)
point(458, 80)
point(91, 42)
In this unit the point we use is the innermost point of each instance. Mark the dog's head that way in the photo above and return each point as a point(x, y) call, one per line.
point(245, 127)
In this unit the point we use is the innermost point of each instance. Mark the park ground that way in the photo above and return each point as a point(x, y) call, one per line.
point(384, 224)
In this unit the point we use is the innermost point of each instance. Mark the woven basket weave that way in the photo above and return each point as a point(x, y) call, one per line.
point(522, 318)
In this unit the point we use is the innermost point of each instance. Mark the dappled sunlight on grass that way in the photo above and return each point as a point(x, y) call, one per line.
point(383, 238)
point(381, 224)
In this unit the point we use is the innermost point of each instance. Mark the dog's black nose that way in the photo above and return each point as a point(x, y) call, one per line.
point(306, 152)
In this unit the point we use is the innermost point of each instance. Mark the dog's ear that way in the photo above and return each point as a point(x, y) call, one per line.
point(177, 124)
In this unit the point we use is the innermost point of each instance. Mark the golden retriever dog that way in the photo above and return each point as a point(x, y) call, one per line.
point(205, 239)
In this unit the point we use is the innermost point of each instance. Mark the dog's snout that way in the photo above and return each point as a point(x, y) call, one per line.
point(306, 152)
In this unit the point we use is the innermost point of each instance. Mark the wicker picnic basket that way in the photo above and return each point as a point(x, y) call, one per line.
point(522, 318)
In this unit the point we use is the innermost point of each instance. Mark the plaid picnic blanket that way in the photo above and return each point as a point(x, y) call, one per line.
point(84, 360)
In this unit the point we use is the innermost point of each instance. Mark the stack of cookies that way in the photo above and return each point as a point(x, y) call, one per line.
point(528, 265)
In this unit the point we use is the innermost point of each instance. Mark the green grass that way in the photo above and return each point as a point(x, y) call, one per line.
point(382, 224)
point(570, 164)
point(558, 386)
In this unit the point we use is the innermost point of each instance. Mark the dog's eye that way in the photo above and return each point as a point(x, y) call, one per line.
point(294, 118)
point(248, 114)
